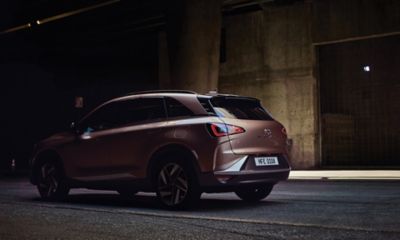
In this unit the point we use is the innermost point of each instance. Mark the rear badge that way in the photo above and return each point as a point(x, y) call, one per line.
point(267, 133)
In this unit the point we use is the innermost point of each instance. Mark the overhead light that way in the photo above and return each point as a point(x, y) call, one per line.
point(14, 29)
point(367, 69)
point(59, 16)
point(75, 12)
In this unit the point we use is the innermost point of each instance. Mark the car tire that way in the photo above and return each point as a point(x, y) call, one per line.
point(51, 182)
point(176, 184)
point(254, 194)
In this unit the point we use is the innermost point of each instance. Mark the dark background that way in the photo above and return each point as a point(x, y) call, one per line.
point(97, 54)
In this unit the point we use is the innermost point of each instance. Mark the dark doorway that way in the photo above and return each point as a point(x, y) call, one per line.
point(360, 102)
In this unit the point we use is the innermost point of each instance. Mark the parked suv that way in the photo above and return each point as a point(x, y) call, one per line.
point(178, 144)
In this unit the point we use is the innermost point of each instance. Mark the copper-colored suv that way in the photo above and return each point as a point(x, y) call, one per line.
point(175, 143)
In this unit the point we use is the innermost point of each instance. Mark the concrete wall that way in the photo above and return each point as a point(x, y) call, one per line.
point(269, 55)
point(193, 35)
point(272, 54)
point(342, 19)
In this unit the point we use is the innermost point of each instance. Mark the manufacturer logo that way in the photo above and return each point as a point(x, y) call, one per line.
point(267, 133)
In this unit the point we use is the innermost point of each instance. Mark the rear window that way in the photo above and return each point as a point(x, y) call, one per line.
point(239, 108)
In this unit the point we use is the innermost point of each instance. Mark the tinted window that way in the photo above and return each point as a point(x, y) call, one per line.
point(240, 108)
point(126, 112)
point(177, 109)
point(205, 102)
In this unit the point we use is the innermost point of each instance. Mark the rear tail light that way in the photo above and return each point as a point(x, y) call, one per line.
point(221, 129)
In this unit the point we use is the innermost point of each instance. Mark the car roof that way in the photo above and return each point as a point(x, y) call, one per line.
point(162, 93)
point(178, 93)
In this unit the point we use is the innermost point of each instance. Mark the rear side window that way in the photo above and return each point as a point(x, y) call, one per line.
point(139, 110)
point(205, 102)
point(177, 109)
point(239, 108)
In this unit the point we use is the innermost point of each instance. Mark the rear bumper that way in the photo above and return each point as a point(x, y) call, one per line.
point(232, 181)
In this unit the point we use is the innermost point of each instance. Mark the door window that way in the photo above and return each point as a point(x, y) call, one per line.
point(123, 113)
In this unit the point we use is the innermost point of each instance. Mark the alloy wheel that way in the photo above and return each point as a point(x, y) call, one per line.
point(172, 184)
point(48, 184)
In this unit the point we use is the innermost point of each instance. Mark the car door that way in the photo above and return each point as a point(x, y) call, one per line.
point(113, 139)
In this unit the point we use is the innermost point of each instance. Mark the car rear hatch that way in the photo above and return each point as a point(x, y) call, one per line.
point(258, 135)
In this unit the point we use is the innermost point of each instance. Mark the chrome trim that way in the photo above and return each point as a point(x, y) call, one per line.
point(250, 172)
point(237, 165)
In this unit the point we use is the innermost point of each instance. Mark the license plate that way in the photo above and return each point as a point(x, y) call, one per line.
point(266, 161)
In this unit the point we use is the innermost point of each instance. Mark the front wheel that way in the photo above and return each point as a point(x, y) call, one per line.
point(176, 185)
point(51, 184)
point(254, 194)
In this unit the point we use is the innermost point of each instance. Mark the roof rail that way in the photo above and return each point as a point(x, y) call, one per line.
point(160, 91)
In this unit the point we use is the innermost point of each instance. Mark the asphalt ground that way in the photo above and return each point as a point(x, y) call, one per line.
point(345, 175)
point(318, 209)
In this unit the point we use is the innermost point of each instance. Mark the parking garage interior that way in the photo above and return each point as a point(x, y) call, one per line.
point(327, 69)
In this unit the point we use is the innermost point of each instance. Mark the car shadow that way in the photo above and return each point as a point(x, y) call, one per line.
point(111, 200)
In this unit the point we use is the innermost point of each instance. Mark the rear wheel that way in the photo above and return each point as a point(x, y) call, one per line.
point(176, 185)
point(51, 183)
point(254, 194)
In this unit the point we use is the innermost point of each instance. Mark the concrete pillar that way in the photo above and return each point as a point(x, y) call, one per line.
point(193, 33)
point(164, 76)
